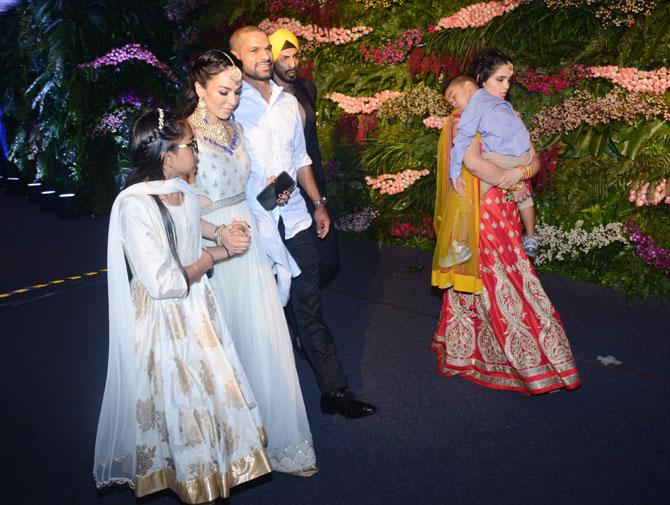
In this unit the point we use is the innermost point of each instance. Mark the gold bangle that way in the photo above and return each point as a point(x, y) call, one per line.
point(527, 172)
point(217, 234)
point(515, 187)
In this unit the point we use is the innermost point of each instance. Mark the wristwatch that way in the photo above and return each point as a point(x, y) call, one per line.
point(320, 201)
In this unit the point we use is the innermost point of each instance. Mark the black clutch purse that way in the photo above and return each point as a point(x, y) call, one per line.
point(268, 197)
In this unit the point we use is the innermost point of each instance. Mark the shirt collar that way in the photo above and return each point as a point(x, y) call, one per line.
point(277, 91)
point(487, 97)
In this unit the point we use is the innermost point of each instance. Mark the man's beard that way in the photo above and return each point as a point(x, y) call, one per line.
point(284, 75)
point(255, 76)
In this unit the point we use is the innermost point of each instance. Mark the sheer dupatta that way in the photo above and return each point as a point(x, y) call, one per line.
point(115, 445)
point(456, 221)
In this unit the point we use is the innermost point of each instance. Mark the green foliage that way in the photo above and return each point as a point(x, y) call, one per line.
point(615, 267)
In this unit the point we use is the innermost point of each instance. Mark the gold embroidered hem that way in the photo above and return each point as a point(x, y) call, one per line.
point(531, 381)
point(207, 488)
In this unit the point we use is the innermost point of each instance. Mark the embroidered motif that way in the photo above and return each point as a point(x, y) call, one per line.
point(207, 336)
point(233, 394)
point(154, 378)
point(207, 379)
point(145, 412)
point(489, 347)
point(182, 377)
point(161, 427)
point(230, 438)
point(552, 338)
point(189, 429)
point(460, 331)
point(141, 299)
point(176, 321)
point(145, 458)
point(520, 346)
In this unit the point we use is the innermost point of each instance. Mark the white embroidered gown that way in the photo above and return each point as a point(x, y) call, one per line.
point(248, 296)
point(197, 426)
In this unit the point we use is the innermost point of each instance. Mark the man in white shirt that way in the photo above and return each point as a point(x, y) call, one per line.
point(274, 137)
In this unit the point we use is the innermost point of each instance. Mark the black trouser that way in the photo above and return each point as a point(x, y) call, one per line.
point(305, 303)
point(329, 256)
point(329, 251)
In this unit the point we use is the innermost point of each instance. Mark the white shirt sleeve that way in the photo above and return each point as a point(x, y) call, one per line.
point(300, 157)
point(147, 250)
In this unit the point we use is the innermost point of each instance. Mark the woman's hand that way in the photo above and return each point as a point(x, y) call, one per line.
point(239, 226)
point(521, 194)
point(198, 268)
point(235, 237)
point(510, 178)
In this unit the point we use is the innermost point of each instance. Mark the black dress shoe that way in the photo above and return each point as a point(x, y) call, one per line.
point(344, 403)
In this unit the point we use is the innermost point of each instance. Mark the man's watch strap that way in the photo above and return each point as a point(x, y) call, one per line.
point(320, 201)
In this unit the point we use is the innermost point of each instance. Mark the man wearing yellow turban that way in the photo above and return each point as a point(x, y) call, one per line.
point(283, 39)
point(286, 56)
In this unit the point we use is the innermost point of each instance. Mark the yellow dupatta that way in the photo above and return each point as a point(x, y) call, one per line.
point(456, 219)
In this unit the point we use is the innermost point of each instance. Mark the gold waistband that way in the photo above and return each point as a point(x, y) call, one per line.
point(226, 202)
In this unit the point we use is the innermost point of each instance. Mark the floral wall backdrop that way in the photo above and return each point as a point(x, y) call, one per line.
point(592, 81)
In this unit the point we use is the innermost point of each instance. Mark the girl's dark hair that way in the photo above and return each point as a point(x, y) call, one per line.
point(149, 143)
point(202, 70)
point(485, 64)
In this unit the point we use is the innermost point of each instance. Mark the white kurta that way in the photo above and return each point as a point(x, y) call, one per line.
point(247, 294)
point(186, 418)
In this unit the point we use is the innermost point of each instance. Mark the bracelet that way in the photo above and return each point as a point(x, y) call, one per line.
point(196, 269)
point(515, 187)
point(526, 171)
point(217, 234)
point(210, 254)
point(227, 251)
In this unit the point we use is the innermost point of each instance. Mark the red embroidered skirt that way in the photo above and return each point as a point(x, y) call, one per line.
point(510, 336)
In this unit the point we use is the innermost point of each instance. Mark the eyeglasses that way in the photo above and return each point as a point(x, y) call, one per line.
point(193, 145)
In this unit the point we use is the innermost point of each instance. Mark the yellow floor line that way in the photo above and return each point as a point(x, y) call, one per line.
point(50, 283)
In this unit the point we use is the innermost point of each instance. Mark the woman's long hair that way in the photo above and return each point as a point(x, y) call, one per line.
point(485, 64)
point(151, 139)
point(202, 70)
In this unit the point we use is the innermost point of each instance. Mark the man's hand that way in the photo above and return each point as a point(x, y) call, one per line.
point(321, 221)
point(284, 196)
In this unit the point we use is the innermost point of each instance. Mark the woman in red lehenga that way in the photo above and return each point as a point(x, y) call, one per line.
point(499, 330)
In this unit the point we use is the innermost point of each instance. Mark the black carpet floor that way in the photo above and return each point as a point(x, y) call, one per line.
point(433, 441)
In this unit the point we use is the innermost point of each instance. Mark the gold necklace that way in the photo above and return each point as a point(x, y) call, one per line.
point(221, 134)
